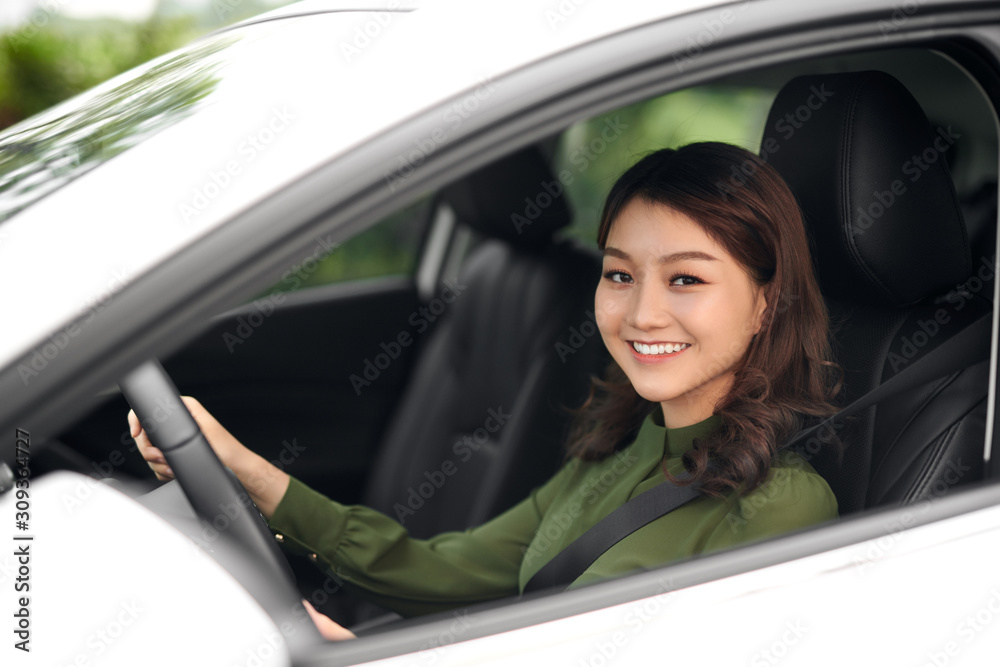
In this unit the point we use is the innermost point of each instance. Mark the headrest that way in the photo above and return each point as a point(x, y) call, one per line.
point(871, 177)
point(517, 199)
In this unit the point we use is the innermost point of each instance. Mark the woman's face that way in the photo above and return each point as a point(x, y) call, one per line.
point(676, 311)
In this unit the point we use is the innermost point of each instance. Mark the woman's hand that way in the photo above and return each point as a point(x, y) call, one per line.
point(265, 483)
point(329, 628)
point(222, 441)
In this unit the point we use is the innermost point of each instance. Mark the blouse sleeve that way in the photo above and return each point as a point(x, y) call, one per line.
point(374, 553)
point(794, 497)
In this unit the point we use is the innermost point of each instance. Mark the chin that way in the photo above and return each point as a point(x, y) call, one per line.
point(657, 395)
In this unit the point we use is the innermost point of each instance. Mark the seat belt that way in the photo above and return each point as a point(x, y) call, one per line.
point(966, 348)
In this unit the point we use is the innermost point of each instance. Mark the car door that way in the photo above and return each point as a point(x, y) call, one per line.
point(318, 359)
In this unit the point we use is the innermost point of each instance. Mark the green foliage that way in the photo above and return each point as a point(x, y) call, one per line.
point(388, 248)
point(46, 152)
point(51, 58)
point(597, 151)
point(43, 65)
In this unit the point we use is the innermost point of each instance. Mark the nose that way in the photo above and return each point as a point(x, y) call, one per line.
point(649, 307)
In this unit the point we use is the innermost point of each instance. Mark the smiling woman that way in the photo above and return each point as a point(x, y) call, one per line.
point(709, 305)
point(709, 349)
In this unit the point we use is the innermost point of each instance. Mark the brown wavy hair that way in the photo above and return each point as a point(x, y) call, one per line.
point(785, 378)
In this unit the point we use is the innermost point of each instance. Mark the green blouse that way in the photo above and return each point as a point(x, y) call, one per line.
point(374, 553)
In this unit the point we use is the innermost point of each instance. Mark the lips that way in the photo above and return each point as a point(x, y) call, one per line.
point(656, 357)
point(658, 349)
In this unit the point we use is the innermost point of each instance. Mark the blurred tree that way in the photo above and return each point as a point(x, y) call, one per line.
point(593, 153)
point(51, 58)
point(40, 67)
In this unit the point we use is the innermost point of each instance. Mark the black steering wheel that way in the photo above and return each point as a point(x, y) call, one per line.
point(218, 499)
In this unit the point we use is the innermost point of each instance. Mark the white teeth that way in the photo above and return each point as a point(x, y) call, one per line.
point(668, 348)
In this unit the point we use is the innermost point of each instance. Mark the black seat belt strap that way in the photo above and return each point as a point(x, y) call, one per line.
point(969, 346)
point(572, 561)
point(966, 348)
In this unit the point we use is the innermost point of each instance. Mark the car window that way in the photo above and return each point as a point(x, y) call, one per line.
point(390, 247)
point(35, 160)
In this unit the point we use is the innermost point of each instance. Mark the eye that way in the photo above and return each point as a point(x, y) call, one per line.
point(685, 280)
point(618, 276)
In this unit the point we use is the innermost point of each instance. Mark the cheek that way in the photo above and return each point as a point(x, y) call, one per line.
point(607, 310)
point(611, 299)
point(691, 306)
point(701, 314)
point(734, 330)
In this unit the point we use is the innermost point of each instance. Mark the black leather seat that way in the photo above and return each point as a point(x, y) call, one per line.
point(483, 418)
point(893, 259)
point(482, 421)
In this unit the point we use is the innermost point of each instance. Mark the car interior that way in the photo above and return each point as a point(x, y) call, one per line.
point(429, 366)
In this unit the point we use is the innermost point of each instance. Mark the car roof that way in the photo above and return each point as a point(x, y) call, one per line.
point(309, 82)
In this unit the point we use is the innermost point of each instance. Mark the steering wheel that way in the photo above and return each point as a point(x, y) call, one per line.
point(218, 499)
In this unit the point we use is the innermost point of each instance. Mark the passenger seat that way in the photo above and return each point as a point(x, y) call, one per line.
point(891, 248)
point(482, 420)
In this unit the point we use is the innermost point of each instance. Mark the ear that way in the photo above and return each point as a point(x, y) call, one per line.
point(760, 311)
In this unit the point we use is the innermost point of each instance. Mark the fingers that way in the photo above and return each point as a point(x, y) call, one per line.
point(229, 450)
point(153, 456)
point(327, 627)
point(208, 424)
point(134, 427)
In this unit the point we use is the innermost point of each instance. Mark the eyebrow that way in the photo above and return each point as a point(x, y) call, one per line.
point(664, 259)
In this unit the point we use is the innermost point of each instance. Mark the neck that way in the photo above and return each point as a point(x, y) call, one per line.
point(696, 405)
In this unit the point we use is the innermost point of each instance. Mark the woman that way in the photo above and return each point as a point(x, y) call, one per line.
point(710, 309)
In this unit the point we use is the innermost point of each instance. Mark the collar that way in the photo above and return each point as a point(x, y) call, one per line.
point(661, 442)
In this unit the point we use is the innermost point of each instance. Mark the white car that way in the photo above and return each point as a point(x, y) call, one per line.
point(362, 234)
